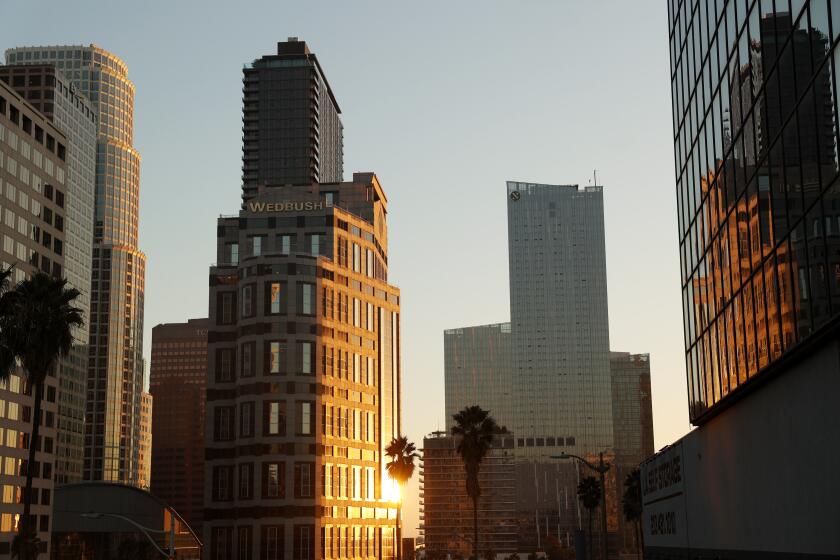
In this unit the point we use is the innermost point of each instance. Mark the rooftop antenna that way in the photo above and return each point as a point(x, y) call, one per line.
point(595, 176)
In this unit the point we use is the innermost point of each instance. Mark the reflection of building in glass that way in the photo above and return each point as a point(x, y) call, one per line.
point(754, 97)
point(757, 208)
point(115, 363)
point(448, 510)
point(478, 371)
point(33, 182)
point(290, 121)
point(177, 379)
point(303, 388)
point(59, 100)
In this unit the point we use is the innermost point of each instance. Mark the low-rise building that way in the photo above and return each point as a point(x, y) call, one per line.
point(448, 510)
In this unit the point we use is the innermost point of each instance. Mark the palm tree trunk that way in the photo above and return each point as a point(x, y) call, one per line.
point(475, 527)
point(640, 542)
point(399, 533)
point(26, 525)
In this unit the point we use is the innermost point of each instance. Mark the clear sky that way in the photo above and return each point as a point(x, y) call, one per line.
point(445, 101)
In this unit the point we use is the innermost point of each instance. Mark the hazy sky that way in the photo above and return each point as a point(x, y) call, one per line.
point(445, 101)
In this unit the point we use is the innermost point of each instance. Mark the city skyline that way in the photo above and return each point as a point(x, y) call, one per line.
point(210, 185)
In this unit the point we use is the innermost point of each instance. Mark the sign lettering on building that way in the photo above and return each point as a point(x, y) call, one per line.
point(663, 498)
point(285, 206)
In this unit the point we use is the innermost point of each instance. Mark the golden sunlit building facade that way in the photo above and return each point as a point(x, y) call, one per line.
point(303, 388)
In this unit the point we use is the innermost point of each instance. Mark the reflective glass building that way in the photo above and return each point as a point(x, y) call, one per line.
point(754, 99)
point(558, 313)
point(477, 371)
point(115, 364)
point(754, 89)
point(58, 99)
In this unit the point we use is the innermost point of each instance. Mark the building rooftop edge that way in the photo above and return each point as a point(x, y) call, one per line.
point(488, 325)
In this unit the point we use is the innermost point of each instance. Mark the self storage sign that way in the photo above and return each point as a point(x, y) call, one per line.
point(663, 499)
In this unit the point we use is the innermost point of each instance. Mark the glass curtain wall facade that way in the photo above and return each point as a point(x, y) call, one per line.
point(754, 89)
point(303, 385)
point(292, 131)
point(33, 183)
point(477, 371)
point(559, 323)
point(559, 348)
point(115, 364)
point(59, 100)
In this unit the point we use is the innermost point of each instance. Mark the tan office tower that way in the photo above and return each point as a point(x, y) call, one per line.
point(33, 172)
point(59, 100)
point(177, 378)
point(115, 364)
point(303, 388)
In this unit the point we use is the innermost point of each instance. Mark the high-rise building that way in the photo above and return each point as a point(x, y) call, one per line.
point(33, 181)
point(632, 407)
point(448, 509)
point(292, 132)
point(559, 350)
point(177, 380)
point(547, 372)
point(115, 361)
point(632, 431)
point(303, 387)
point(145, 468)
point(559, 325)
point(754, 107)
point(477, 365)
point(58, 99)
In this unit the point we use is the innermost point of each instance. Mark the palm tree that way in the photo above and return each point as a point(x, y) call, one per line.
point(589, 493)
point(402, 454)
point(36, 328)
point(632, 505)
point(476, 429)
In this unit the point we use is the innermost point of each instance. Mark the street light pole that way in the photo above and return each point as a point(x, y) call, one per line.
point(145, 530)
point(601, 468)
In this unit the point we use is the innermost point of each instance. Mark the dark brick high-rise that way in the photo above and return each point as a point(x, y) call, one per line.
point(292, 132)
point(177, 382)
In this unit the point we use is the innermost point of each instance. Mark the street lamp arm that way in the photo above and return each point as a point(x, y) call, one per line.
point(584, 461)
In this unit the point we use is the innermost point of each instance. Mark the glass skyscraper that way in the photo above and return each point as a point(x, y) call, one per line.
point(546, 374)
point(558, 309)
point(477, 365)
point(755, 136)
point(755, 130)
point(115, 363)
